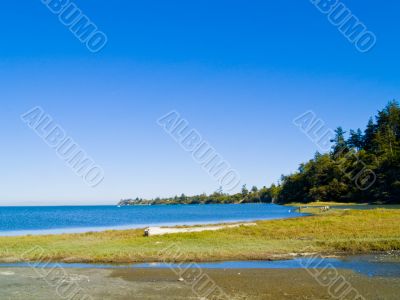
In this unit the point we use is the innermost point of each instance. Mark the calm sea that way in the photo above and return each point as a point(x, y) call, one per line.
point(74, 219)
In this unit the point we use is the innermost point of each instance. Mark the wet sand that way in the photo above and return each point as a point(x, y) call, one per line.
point(28, 283)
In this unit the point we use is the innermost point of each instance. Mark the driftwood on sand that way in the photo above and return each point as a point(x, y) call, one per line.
point(150, 231)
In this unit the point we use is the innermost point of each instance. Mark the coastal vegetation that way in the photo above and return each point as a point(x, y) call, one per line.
point(363, 166)
point(333, 232)
point(254, 195)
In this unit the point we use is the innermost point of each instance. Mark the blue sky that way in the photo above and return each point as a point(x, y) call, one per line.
point(239, 72)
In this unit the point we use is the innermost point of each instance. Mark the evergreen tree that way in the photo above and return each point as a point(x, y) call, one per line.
point(356, 139)
point(339, 143)
point(245, 191)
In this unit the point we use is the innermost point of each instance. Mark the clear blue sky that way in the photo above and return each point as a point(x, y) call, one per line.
point(238, 71)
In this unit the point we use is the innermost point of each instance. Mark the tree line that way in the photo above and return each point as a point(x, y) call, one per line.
point(363, 166)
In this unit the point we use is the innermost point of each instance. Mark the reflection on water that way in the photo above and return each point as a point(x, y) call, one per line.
point(370, 265)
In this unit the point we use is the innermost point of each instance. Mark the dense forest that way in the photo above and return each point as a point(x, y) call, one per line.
point(362, 166)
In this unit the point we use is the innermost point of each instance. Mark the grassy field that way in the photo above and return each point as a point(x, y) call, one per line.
point(325, 204)
point(336, 231)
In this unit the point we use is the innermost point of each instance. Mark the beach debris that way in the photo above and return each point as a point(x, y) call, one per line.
point(147, 232)
point(150, 231)
point(324, 208)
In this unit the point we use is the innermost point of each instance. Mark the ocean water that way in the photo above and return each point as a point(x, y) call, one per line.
point(75, 219)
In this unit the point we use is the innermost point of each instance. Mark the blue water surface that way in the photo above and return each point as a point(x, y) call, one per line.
point(74, 219)
point(368, 265)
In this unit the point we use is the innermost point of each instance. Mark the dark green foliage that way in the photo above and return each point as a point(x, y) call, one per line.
point(356, 139)
point(264, 195)
point(363, 168)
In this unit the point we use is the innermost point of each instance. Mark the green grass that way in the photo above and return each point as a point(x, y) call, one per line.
point(325, 204)
point(348, 231)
